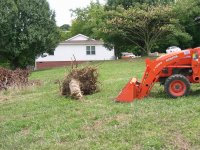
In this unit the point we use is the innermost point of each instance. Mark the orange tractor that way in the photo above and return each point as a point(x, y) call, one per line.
point(174, 70)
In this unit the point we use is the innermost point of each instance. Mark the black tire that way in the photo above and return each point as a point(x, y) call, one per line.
point(177, 85)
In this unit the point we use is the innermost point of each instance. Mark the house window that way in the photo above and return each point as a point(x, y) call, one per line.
point(90, 50)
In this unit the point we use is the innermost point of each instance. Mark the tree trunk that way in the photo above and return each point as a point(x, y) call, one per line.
point(148, 49)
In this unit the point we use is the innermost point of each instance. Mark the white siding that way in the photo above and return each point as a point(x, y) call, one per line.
point(66, 52)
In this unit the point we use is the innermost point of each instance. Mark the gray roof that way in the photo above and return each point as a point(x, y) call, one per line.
point(83, 42)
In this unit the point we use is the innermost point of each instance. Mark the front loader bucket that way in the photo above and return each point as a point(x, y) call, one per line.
point(130, 92)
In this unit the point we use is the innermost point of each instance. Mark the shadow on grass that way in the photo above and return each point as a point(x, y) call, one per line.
point(195, 92)
point(159, 95)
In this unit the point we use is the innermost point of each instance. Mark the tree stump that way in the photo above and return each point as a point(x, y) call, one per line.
point(75, 90)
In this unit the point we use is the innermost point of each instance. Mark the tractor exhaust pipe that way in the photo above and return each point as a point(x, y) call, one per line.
point(130, 92)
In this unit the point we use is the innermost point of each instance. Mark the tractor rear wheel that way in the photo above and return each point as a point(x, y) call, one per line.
point(177, 85)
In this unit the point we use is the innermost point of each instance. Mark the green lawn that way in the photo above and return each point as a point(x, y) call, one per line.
point(39, 118)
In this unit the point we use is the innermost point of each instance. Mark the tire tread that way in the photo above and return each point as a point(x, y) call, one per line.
point(176, 77)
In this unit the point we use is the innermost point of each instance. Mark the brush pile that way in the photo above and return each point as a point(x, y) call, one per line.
point(80, 82)
point(16, 78)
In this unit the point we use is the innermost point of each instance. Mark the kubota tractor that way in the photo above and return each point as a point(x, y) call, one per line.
point(175, 71)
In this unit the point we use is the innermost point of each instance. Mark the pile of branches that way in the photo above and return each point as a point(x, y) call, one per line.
point(80, 82)
point(16, 78)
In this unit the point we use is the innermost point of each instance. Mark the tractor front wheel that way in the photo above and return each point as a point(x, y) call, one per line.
point(177, 85)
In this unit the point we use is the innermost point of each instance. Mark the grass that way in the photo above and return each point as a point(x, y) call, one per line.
point(39, 118)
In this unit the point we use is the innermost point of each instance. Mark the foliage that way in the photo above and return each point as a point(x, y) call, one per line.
point(88, 20)
point(125, 3)
point(187, 11)
point(144, 25)
point(65, 27)
point(129, 3)
point(64, 35)
point(159, 26)
point(28, 29)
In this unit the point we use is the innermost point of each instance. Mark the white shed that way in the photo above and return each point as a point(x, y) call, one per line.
point(81, 47)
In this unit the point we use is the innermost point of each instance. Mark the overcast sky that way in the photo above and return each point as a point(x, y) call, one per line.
point(62, 8)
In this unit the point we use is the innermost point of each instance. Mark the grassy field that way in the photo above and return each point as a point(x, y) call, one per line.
point(39, 118)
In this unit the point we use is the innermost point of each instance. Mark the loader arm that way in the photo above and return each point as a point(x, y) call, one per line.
point(151, 75)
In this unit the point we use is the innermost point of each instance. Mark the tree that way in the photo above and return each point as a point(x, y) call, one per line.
point(113, 4)
point(64, 35)
point(7, 11)
point(65, 27)
point(88, 20)
point(125, 3)
point(143, 25)
point(28, 29)
point(64, 32)
point(187, 11)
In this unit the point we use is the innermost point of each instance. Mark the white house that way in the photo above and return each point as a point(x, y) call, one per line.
point(81, 47)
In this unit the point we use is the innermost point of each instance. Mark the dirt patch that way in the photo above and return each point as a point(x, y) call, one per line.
point(137, 147)
point(180, 142)
point(25, 131)
point(34, 83)
point(4, 98)
point(120, 120)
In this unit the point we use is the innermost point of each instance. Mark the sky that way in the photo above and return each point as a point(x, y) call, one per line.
point(62, 9)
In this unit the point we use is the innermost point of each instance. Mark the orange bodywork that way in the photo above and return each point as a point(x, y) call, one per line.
point(129, 92)
point(186, 62)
